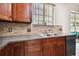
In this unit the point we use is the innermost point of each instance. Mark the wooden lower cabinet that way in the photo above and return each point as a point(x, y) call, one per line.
point(4, 51)
point(48, 47)
point(54, 46)
point(18, 49)
point(39, 47)
point(34, 47)
point(13, 49)
point(60, 46)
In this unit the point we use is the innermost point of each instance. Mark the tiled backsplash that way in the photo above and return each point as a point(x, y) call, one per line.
point(17, 28)
point(56, 29)
point(21, 29)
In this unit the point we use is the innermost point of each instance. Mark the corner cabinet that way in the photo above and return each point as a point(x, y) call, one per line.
point(17, 48)
point(5, 12)
point(13, 49)
point(22, 12)
point(16, 12)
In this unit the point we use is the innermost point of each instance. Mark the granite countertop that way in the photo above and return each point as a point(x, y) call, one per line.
point(4, 40)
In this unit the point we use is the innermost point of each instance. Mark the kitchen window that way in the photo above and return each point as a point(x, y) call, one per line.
point(74, 23)
point(43, 14)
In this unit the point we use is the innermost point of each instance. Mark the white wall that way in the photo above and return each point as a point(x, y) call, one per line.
point(62, 15)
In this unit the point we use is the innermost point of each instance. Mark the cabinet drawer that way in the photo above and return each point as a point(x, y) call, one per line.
point(16, 43)
point(32, 43)
point(60, 38)
point(48, 42)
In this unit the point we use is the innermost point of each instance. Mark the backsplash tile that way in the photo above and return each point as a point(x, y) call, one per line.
point(17, 28)
point(43, 29)
point(22, 29)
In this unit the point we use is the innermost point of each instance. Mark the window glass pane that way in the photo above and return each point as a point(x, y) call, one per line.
point(43, 14)
point(41, 6)
point(36, 11)
point(33, 11)
point(41, 23)
point(46, 9)
point(50, 23)
point(46, 12)
point(35, 22)
point(40, 12)
point(36, 17)
point(51, 11)
point(47, 23)
point(46, 6)
point(40, 18)
point(33, 17)
point(50, 19)
point(46, 19)
point(36, 5)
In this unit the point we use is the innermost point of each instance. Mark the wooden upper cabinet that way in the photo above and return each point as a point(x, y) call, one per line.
point(22, 12)
point(18, 12)
point(5, 11)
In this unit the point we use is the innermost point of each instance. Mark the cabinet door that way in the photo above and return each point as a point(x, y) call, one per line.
point(17, 48)
point(60, 46)
point(2, 52)
point(5, 11)
point(25, 48)
point(48, 47)
point(22, 12)
point(34, 48)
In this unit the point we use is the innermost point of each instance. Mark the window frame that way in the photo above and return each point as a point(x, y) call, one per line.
point(43, 14)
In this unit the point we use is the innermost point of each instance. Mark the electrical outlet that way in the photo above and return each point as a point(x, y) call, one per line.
point(60, 29)
point(28, 30)
point(10, 29)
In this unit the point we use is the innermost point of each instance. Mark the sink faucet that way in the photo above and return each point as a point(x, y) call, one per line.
point(49, 32)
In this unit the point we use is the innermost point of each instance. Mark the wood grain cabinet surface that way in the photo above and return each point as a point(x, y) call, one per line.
point(5, 11)
point(60, 46)
point(17, 12)
point(22, 12)
point(13, 49)
point(54, 46)
point(34, 47)
point(38, 47)
point(17, 48)
point(48, 47)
